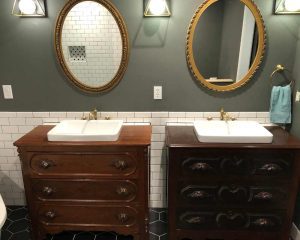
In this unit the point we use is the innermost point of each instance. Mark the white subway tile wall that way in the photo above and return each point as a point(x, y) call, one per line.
point(15, 124)
point(92, 27)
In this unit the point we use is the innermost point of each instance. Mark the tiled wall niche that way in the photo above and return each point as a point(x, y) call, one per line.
point(91, 27)
point(15, 124)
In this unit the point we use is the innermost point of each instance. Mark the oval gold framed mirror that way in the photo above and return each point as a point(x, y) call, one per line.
point(91, 43)
point(225, 43)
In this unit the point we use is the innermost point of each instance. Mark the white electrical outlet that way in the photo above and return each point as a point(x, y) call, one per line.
point(297, 99)
point(7, 92)
point(157, 92)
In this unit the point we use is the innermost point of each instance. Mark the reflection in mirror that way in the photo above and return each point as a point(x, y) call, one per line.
point(91, 41)
point(92, 44)
point(224, 53)
point(225, 43)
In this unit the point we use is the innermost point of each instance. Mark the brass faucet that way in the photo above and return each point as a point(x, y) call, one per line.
point(224, 116)
point(92, 115)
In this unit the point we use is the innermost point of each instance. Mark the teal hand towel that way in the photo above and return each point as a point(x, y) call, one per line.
point(280, 105)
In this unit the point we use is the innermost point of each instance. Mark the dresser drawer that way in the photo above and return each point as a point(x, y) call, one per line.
point(236, 195)
point(85, 190)
point(83, 164)
point(229, 219)
point(234, 163)
point(90, 216)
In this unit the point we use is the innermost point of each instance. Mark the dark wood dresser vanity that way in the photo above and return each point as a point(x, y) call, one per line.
point(87, 186)
point(231, 191)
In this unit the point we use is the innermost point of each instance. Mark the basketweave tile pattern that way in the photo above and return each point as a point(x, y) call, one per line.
point(14, 125)
point(17, 227)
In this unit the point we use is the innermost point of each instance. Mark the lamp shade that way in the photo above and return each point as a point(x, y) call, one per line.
point(157, 8)
point(29, 8)
point(287, 7)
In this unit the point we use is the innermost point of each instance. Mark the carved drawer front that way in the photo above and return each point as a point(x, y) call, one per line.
point(84, 164)
point(272, 167)
point(198, 194)
point(85, 190)
point(228, 219)
point(93, 216)
point(236, 194)
point(201, 165)
point(239, 164)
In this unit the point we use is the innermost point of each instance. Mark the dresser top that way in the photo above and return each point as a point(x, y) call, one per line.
point(129, 136)
point(184, 136)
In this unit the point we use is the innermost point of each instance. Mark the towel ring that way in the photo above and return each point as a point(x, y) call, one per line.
point(279, 69)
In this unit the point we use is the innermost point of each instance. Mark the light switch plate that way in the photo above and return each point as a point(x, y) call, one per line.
point(7, 92)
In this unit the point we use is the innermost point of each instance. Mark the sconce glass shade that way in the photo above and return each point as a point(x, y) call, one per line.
point(157, 8)
point(29, 8)
point(287, 7)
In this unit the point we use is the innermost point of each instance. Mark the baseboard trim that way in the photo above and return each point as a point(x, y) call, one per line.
point(295, 233)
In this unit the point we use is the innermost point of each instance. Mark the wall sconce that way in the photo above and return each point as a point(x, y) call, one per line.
point(157, 8)
point(287, 7)
point(29, 8)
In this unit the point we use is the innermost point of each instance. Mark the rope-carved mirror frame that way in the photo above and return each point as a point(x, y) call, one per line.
point(257, 60)
point(125, 46)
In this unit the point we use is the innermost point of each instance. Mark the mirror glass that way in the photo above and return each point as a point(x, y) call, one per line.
point(226, 43)
point(91, 45)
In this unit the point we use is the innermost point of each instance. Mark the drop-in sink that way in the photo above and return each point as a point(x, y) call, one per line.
point(232, 132)
point(86, 130)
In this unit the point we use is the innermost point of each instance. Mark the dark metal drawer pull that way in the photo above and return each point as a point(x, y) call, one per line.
point(200, 166)
point(263, 196)
point(122, 191)
point(271, 167)
point(120, 164)
point(263, 222)
point(46, 164)
point(199, 195)
point(123, 217)
point(50, 215)
point(48, 191)
point(195, 220)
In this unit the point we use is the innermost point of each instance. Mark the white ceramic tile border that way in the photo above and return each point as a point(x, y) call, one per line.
point(13, 125)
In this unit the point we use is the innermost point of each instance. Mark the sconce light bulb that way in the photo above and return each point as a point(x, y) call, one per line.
point(157, 7)
point(27, 6)
point(292, 5)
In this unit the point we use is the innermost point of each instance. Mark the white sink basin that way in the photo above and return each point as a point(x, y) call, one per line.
point(86, 130)
point(232, 132)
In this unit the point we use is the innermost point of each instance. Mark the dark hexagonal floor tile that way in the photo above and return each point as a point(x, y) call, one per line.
point(7, 224)
point(84, 236)
point(19, 225)
point(63, 236)
point(163, 216)
point(158, 228)
point(153, 216)
point(124, 238)
point(153, 237)
point(106, 236)
point(164, 237)
point(17, 214)
point(5, 235)
point(24, 235)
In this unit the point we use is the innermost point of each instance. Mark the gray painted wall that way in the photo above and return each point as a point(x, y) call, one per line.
point(157, 56)
point(296, 74)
